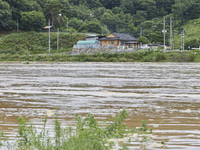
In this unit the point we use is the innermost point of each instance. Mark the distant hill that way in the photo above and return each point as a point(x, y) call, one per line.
point(191, 35)
point(137, 17)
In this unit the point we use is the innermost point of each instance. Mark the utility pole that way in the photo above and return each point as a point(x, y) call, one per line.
point(171, 35)
point(182, 40)
point(140, 31)
point(49, 38)
point(140, 36)
point(17, 25)
point(67, 26)
point(164, 31)
point(58, 39)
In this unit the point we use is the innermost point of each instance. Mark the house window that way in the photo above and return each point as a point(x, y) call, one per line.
point(121, 43)
point(112, 42)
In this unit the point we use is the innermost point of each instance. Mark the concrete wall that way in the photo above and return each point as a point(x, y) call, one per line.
point(77, 51)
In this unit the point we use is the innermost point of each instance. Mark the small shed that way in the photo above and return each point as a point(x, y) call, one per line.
point(88, 44)
point(46, 28)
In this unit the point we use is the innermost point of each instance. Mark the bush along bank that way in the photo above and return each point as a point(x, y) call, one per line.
point(88, 134)
point(139, 56)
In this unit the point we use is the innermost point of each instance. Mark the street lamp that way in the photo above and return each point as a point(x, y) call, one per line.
point(49, 38)
point(164, 31)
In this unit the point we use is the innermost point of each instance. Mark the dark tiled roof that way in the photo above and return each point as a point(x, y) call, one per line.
point(121, 36)
point(109, 39)
point(124, 36)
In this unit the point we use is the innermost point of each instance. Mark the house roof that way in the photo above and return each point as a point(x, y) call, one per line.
point(124, 36)
point(86, 42)
point(93, 36)
point(120, 36)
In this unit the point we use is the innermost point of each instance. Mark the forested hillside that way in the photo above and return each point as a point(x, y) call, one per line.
point(99, 16)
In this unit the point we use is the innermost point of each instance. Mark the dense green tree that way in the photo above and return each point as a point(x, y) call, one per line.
point(80, 12)
point(19, 6)
point(5, 16)
point(75, 23)
point(192, 43)
point(180, 9)
point(148, 6)
point(65, 7)
point(132, 29)
point(104, 16)
point(99, 12)
point(41, 3)
point(105, 30)
point(193, 11)
point(116, 10)
point(89, 3)
point(164, 7)
point(142, 40)
point(156, 37)
point(124, 20)
point(33, 20)
point(109, 4)
point(129, 6)
point(52, 10)
point(110, 20)
point(93, 27)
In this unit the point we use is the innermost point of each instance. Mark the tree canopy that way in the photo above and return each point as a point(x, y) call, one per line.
point(127, 16)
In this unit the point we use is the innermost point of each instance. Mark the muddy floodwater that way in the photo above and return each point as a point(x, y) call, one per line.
point(166, 95)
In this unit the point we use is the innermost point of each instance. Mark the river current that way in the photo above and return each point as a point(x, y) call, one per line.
point(166, 95)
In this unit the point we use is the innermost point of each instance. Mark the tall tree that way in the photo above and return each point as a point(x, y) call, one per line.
point(129, 6)
point(5, 16)
point(110, 20)
point(52, 10)
point(75, 23)
point(164, 7)
point(109, 4)
point(93, 27)
point(33, 20)
point(19, 6)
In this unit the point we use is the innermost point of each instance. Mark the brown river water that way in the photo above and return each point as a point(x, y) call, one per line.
point(166, 95)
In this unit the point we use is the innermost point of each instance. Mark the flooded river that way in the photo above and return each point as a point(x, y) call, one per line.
point(166, 95)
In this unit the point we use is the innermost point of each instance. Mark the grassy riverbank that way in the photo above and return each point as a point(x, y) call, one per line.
point(140, 56)
point(30, 43)
point(33, 46)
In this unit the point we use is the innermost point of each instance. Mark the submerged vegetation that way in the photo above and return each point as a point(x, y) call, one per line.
point(88, 135)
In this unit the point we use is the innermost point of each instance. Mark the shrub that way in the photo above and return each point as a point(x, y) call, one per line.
point(160, 56)
point(89, 135)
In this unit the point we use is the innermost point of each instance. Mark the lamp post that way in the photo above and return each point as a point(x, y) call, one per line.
point(58, 39)
point(164, 31)
point(171, 34)
point(17, 25)
point(182, 40)
point(49, 38)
